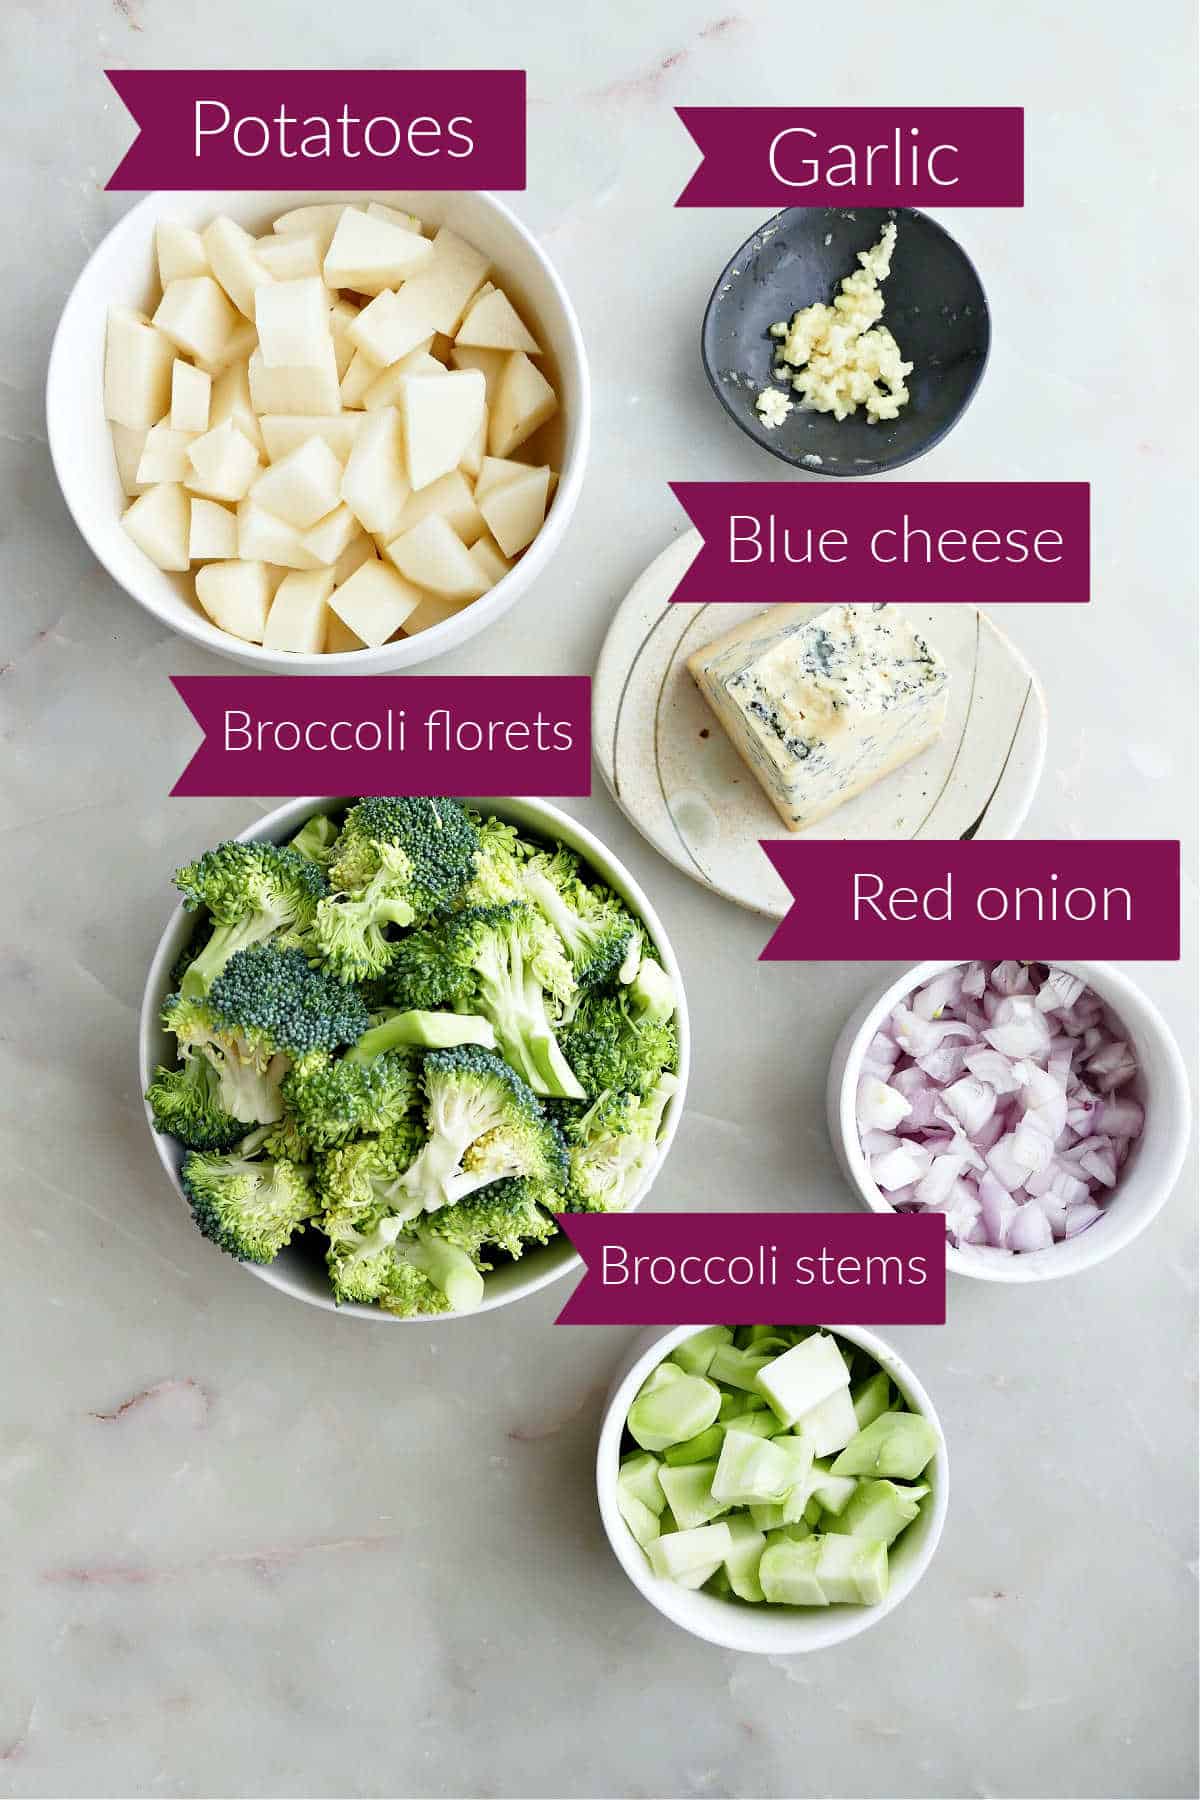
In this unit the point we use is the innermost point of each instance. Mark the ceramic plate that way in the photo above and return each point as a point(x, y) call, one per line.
point(674, 772)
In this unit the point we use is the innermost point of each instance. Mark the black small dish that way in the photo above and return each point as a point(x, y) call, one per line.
point(934, 306)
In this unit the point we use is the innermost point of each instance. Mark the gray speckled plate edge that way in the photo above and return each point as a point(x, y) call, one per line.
point(673, 772)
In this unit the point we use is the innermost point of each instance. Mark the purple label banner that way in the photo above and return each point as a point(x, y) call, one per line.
point(1034, 901)
point(389, 734)
point(751, 1268)
point(323, 129)
point(857, 156)
point(987, 542)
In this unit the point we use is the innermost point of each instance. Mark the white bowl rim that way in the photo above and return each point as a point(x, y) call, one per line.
point(1086, 1250)
point(740, 1627)
point(288, 818)
point(385, 658)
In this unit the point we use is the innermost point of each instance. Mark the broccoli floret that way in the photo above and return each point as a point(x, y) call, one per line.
point(652, 993)
point(499, 863)
point(253, 892)
point(186, 1102)
point(422, 1030)
point(522, 980)
point(248, 1078)
point(484, 1125)
point(350, 934)
point(434, 837)
point(407, 1274)
point(595, 926)
point(316, 840)
point(507, 1214)
point(608, 1168)
point(249, 1209)
point(614, 1049)
point(425, 974)
point(361, 1178)
point(333, 1101)
point(275, 1001)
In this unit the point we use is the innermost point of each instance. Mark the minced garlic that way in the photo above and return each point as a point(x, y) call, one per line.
point(838, 358)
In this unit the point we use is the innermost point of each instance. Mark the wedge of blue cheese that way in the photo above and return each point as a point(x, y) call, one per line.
point(821, 706)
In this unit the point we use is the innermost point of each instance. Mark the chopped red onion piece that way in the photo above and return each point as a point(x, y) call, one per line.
point(1030, 1230)
point(990, 1096)
point(931, 1001)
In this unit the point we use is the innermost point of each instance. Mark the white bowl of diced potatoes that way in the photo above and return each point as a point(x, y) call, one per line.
point(660, 1505)
point(320, 432)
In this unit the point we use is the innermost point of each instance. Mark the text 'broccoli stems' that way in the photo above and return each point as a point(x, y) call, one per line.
point(422, 1031)
point(513, 995)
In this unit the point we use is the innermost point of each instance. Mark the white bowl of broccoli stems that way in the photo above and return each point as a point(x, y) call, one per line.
point(870, 1578)
point(299, 1269)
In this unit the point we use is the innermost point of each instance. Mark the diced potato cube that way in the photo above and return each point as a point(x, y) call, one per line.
point(164, 456)
point(332, 535)
point(490, 364)
point(451, 496)
point(284, 432)
point(375, 485)
point(231, 400)
point(299, 617)
point(191, 395)
point(448, 281)
point(362, 373)
point(339, 637)
point(303, 486)
point(385, 389)
point(320, 220)
point(137, 370)
point(262, 537)
point(441, 416)
point(433, 556)
point(233, 259)
point(491, 560)
point(288, 255)
point(406, 221)
point(434, 609)
point(369, 254)
point(495, 470)
point(239, 345)
point(158, 524)
point(225, 463)
point(180, 252)
point(358, 551)
point(341, 316)
point(493, 323)
point(293, 323)
point(213, 533)
point(127, 445)
point(311, 388)
point(374, 602)
point(391, 325)
point(473, 455)
point(523, 400)
point(515, 509)
point(196, 316)
point(236, 596)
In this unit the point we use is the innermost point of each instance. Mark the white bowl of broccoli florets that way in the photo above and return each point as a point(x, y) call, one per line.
point(384, 1041)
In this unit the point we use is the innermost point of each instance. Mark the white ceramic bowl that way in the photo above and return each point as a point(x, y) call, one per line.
point(122, 272)
point(1155, 1159)
point(769, 1630)
point(299, 1270)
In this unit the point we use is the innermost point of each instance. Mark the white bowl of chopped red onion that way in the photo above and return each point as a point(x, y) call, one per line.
point(1043, 1108)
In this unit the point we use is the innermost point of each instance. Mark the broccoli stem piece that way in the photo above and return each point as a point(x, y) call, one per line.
point(422, 1031)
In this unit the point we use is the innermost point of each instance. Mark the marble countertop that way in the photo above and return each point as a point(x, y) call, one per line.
point(248, 1548)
